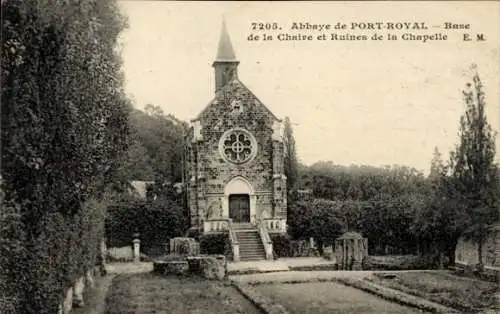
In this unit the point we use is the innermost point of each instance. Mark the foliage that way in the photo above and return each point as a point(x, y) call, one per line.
point(158, 148)
point(465, 191)
point(380, 203)
point(318, 219)
point(215, 244)
point(155, 222)
point(336, 182)
point(474, 173)
point(64, 125)
point(281, 245)
point(441, 220)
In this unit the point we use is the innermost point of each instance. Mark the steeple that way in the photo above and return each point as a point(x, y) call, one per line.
point(225, 64)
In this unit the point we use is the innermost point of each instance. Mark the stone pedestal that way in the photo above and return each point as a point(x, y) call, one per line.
point(328, 252)
point(137, 250)
point(184, 246)
point(67, 304)
point(89, 278)
point(78, 288)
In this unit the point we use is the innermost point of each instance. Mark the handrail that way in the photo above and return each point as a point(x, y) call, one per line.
point(219, 224)
point(232, 234)
point(233, 240)
point(266, 240)
point(275, 224)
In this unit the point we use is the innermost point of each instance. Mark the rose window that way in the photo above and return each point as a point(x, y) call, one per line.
point(237, 146)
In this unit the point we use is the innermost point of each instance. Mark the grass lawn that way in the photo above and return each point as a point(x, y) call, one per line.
point(151, 293)
point(328, 297)
point(462, 293)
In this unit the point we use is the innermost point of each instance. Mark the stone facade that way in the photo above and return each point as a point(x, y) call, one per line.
point(234, 147)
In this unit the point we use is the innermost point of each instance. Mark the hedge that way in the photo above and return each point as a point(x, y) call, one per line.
point(64, 127)
point(155, 223)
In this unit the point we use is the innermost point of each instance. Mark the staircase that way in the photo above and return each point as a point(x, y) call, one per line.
point(251, 247)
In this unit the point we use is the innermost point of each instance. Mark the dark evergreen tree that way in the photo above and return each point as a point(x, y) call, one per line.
point(474, 173)
point(291, 163)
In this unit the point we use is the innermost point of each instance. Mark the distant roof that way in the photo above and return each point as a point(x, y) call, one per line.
point(305, 191)
point(139, 187)
point(351, 235)
point(225, 51)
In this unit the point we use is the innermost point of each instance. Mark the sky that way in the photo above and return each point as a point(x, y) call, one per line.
point(370, 102)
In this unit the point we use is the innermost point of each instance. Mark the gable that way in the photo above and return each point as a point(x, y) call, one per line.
point(235, 98)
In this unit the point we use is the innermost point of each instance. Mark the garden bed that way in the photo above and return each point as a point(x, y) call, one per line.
point(150, 293)
point(464, 294)
point(327, 297)
point(396, 262)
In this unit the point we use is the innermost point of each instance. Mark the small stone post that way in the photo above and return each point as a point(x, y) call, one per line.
point(104, 250)
point(67, 304)
point(312, 245)
point(137, 248)
point(78, 288)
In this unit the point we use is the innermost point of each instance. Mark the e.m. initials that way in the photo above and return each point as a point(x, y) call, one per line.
point(465, 36)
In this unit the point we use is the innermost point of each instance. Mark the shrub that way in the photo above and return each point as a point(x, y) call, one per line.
point(193, 233)
point(215, 244)
point(397, 262)
point(156, 223)
point(281, 245)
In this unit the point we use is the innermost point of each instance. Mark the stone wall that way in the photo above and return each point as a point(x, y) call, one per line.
point(466, 252)
point(208, 172)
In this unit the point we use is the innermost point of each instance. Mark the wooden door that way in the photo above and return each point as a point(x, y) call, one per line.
point(239, 207)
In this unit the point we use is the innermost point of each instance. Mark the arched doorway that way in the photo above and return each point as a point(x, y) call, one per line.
point(239, 201)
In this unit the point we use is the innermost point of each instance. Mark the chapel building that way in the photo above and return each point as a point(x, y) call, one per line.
point(235, 164)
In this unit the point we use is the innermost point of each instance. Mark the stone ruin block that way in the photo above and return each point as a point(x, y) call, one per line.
point(210, 266)
point(184, 246)
point(171, 267)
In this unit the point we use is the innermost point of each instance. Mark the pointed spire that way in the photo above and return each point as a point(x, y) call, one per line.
point(225, 51)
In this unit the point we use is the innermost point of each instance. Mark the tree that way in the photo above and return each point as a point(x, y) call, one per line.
point(438, 169)
point(320, 219)
point(162, 138)
point(291, 163)
point(474, 173)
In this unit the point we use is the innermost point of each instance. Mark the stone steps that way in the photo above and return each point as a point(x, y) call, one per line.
point(251, 247)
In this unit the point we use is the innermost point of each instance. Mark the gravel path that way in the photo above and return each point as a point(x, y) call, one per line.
point(298, 276)
point(95, 300)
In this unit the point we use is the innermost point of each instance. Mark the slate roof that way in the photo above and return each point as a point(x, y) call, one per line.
point(225, 51)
